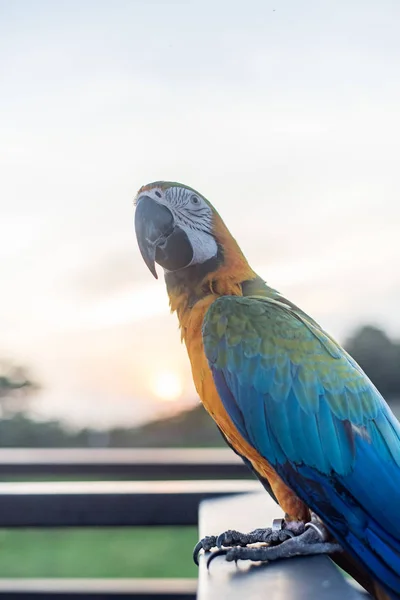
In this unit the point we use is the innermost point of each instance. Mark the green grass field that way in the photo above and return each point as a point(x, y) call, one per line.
point(114, 552)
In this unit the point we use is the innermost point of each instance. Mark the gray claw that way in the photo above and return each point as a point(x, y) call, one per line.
point(272, 537)
point(205, 544)
point(219, 552)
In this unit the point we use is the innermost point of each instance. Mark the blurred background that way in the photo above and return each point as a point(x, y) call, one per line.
point(283, 113)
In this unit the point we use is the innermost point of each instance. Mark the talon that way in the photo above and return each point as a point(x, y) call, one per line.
point(233, 540)
point(283, 540)
point(219, 552)
point(196, 551)
point(304, 544)
point(205, 544)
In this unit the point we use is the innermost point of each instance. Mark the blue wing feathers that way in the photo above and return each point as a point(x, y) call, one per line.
point(353, 402)
point(231, 404)
point(308, 408)
point(307, 395)
point(311, 445)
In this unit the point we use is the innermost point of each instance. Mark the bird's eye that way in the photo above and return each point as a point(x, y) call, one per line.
point(158, 194)
point(195, 200)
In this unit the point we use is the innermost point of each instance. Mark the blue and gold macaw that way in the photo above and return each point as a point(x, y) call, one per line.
point(286, 397)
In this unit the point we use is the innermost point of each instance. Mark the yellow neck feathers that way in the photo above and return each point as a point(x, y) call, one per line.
point(224, 278)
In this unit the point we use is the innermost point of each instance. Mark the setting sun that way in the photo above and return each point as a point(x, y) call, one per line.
point(167, 386)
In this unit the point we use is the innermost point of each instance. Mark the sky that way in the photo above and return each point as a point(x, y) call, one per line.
point(284, 114)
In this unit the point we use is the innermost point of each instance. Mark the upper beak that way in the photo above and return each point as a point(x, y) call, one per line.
point(154, 222)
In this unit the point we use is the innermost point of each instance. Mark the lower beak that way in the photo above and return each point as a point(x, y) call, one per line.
point(159, 239)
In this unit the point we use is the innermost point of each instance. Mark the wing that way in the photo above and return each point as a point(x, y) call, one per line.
point(304, 404)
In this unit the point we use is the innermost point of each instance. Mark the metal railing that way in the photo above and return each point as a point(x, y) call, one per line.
point(156, 463)
point(110, 503)
point(152, 503)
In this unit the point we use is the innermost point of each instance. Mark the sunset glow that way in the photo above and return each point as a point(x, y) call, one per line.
point(167, 386)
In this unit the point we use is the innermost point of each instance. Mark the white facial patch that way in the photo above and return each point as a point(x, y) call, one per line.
point(203, 244)
point(195, 217)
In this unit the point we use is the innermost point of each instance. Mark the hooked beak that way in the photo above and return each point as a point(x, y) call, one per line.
point(160, 239)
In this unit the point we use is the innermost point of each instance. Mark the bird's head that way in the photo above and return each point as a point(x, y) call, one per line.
point(176, 227)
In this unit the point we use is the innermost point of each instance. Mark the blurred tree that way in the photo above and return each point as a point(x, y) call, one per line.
point(379, 357)
point(15, 388)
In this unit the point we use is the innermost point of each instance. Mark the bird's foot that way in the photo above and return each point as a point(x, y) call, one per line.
point(314, 540)
point(277, 534)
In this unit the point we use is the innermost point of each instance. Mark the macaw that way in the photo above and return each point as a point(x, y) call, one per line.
point(285, 395)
